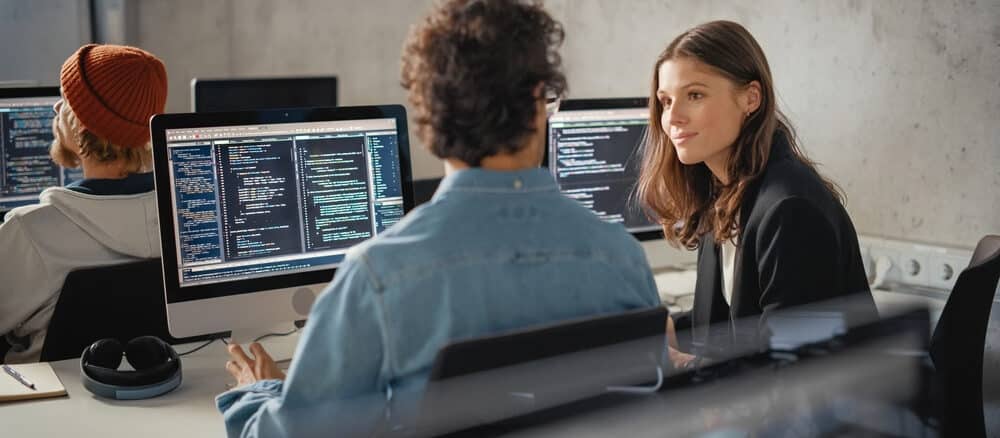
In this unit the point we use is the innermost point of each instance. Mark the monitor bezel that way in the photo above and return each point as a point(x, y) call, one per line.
point(602, 104)
point(159, 124)
point(26, 92)
point(21, 92)
point(199, 86)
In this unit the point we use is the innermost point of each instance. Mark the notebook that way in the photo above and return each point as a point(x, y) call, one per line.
point(46, 382)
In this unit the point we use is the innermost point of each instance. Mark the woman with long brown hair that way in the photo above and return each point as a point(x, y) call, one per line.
point(723, 174)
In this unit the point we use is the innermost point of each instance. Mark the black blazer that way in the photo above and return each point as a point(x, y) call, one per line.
point(796, 245)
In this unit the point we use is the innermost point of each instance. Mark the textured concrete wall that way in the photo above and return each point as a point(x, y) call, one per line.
point(38, 35)
point(359, 41)
point(899, 100)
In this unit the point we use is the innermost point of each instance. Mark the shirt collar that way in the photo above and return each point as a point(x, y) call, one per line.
point(132, 184)
point(493, 181)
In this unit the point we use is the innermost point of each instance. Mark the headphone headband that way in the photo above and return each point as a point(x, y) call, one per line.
point(160, 377)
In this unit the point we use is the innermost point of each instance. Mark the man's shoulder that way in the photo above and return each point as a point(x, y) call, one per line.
point(441, 231)
point(32, 215)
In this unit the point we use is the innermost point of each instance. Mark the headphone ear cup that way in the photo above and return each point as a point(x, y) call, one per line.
point(157, 369)
point(146, 352)
point(105, 353)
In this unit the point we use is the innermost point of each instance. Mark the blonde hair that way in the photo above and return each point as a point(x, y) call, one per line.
point(134, 159)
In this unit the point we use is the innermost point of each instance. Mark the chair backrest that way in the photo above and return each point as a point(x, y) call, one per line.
point(118, 301)
point(959, 340)
point(423, 189)
point(488, 379)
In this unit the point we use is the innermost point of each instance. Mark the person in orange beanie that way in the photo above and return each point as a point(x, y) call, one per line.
point(109, 93)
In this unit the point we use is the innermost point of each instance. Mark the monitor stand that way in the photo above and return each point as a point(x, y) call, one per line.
point(280, 348)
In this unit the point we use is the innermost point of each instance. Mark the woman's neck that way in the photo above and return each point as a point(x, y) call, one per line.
point(718, 164)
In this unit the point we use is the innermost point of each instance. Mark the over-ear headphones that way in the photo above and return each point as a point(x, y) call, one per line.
point(157, 368)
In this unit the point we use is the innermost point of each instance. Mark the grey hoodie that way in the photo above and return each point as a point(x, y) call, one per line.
point(40, 244)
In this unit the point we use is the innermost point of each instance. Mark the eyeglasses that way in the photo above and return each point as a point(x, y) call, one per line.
point(552, 104)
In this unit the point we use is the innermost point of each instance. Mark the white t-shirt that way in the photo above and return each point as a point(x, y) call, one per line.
point(728, 250)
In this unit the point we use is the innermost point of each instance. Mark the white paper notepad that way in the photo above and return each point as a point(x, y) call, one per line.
point(46, 382)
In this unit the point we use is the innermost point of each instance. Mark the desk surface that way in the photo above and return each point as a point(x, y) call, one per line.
point(188, 410)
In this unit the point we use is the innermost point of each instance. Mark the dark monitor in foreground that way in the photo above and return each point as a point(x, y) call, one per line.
point(257, 209)
point(593, 152)
point(213, 95)
point(25, 137)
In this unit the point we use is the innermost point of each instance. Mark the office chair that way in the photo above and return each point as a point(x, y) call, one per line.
point(119, 301)
point(4, 347)
point(423, 190)
point(957, 346)
point(484, 380)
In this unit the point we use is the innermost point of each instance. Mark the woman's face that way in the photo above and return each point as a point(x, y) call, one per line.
point(703, 111)
point(64, 149)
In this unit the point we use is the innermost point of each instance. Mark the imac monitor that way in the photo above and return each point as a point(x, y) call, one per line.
point(593, 153)
point(257, 209)
point(25, 137)
point(208, 95)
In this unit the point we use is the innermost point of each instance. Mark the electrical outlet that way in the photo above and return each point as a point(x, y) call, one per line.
point(881, 254)
point(913, 264)
point(945, 268)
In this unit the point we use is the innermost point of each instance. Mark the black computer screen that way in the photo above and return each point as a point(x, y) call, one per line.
point(254, 201)
point(25, 138)
point(594, 156)
point(211, 95)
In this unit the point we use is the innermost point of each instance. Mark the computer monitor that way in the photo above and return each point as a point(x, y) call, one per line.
point(257, 209)
point(593, 153)
point(25, 137)
point(251, 94)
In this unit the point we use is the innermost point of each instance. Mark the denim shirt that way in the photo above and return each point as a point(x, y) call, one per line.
point(491, 252)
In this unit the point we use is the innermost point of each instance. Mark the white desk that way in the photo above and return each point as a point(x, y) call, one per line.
point(188, 411)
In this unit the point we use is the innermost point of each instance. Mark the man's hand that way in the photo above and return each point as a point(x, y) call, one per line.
point(246, 370)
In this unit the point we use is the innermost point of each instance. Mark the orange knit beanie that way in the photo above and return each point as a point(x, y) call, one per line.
point(114, 90)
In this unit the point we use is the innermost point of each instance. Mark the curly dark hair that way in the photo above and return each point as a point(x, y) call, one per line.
point(471, 68)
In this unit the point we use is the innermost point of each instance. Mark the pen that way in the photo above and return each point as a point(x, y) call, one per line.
point(17, 376)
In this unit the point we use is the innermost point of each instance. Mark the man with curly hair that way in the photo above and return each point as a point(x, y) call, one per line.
point(498, 248)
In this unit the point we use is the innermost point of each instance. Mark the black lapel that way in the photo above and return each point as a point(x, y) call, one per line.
point(779, 150)
point(711, 313)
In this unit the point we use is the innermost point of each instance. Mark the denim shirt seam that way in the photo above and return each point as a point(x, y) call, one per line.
point(370, 273)
point(500, 190)
point(383, 321)
point(385, 337)
point(409, 274)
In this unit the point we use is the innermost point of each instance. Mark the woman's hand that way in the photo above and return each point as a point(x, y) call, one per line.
point(671, 332)
point(247, 370)
point(679, 358)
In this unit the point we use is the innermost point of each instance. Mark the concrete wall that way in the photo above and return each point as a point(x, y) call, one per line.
point(359, 41)
point(37, 36)
point(899, 100)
